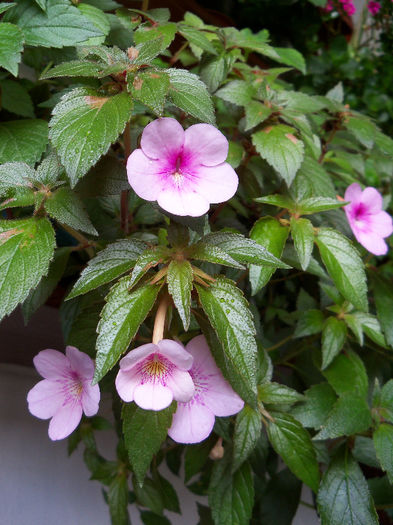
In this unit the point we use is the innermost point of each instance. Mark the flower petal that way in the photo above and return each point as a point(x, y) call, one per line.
point(80, 362)
point(176, 353)
point(200, 351)
point(191, 423)
point(51, 364)
point(205, 144)
point(153, 396)
point(126, 382)
point(145, 175)
point(381, 223)
point(90, 398)
point(372, 199)
point(353, 193)
point(163, 137)
point(183, 201)
point(65, 421)
point(221, 398)
point(217, 183)
point(373, 242)
point(181, 384)
point(137, 355)
point(45, 398)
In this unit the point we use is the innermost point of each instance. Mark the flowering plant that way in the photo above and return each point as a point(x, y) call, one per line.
point(224, 261)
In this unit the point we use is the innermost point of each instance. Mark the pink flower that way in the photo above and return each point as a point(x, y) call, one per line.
point(154, 375)
point(183, 171)
point(369, 223)
point(374, 7)
point(193, 421)
point(65, 392)
point(329, 6)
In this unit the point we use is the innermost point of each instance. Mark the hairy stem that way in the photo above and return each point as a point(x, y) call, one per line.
point(159, 321)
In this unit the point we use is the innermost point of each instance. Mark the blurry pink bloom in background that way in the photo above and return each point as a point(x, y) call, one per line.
point(373, 7)
point(66, 392)
point(193, 421)
point(369, 223)
point(154, 375)
point(183, 170)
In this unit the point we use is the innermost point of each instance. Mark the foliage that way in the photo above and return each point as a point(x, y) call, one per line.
point(297, 315)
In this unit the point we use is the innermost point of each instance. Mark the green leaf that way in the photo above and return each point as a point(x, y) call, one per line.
point(11, 46)
point(149, 496)
point(269, 233)
point(383, 295)
point(5, 6)
point(310, 322)
point(344, 265)
point(229, 314)
point(364, 451)
point(151, 89)
point(213, 254)
point(362, 129)
point(293, 443)
point(237, 92)
point(38, 297)
point(385, 405)
point(231, 497)
point(148, 259)
point(144, 431)
point(196, 456)
point(276, 394)
point(256, 112)
point(344, 496)
point(113, 261)
point(61, 25)
point(318, 204)
point(165, 32)
point(26, 249)
point(347, 373)
point(65, 206)
point(83, 126)
point(98, 19)
point(190, 94)
point(167, 491)
point(15, 175)
point(146, 51)
point(369, 324)
point(197, 38)
point(15, 98)
point(291, 57)
point(334, 335)
point(74, 68)
point(213, 71)
point(243, 249)
point(281, 149)
point(301, 102)
point(107, 177)
point(49, 171)
point(248, 427)
point(23, 140)
point(312, 176)
point(179, 279)
point(281, 201)
point(316, 407)
point(120, 320)
point(235, 154)
point(383, 443)
point(150, 518)
point(350, 415)
point(281, 487)
point(302, 232)
point(118, 500)
point(384, 143)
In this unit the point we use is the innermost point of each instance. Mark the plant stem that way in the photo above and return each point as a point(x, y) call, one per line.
point(159, 321)
point(85, 243)
point(280, 343)
point(145, 5)
point(124, 212)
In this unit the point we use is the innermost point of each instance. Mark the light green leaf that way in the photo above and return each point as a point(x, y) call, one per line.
point(248, 427)
point(113, 261)
point(15, 98)
point(344, 265)
point(5, 6)
point(83, 126)
point(383, 443)
point(151, 89)
point(269, 233)
point(65, 206)
point(311, 175)
point(256, 112)
point(74, 68)
point(362, 129)
point(276, 394)
point(120, 320)
point(318, 204)
point(165, 32)
point(235, 154)
point(293, 443)
point(179, 279)
point(144, 431)
point(281, 149)
point(210, 253)
point(23, 140)
point(237, 92)
point(384, 143)
point(213, 71)
point(148, 259)
point(291, 57)
point(15, 175)
point(197, 38)
point(344, 496)
point(190, 94)
point(302, 232)
point(49, 171)
point(11, 46)
point(229, 314)
point(26, 249)
point(99, 20)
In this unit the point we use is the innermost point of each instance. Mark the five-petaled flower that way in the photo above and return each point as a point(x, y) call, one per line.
point(193, 421)
point(183, 170)
point(369, 223)
point(66, 390)
point(153, 375)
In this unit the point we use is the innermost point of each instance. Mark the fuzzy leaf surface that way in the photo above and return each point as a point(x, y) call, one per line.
point(23, 140)
point(179, 279)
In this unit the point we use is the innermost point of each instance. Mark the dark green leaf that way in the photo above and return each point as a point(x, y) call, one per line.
point(248, 429)
point(151, 89)
point(11, 46)
point(5, 6)
point(383, 442)
point(73, 68)
point(344, 265)
point(347, 373)
point(344, 496)
point(318, 204)
point(120, 319)
point(276, 394)
point(364, 451)
point(197, 38)
point(107, 177)
point(291, 57)
point(23, 140)
point(26, 249)
point(213, 254)
point(385, 403)
point(49, 171)
point(256, 112)
point(110, 263)
point(144, 431)
point(15, 98)
point(196, 456)
point(316, 407)
point(65, 206)
point(362, 129)
point(282, 487)
point(148, 259)
point(118, 500)
point(213, 71)
point(334, 334)
point(383, 295)
point(310, 322)
point(237, 92)
point(302, 232)
point(149, 496)
point(293, 443)
point(15, 175)
point(179, 279)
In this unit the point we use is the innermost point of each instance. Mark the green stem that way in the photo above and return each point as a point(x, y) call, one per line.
point(85, 243)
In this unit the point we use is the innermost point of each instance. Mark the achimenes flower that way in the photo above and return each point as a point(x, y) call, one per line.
point(153, 375)
point(193, 421)
point(183, 170)
point(369, 223)
point(373, 7)
point(66, 392)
